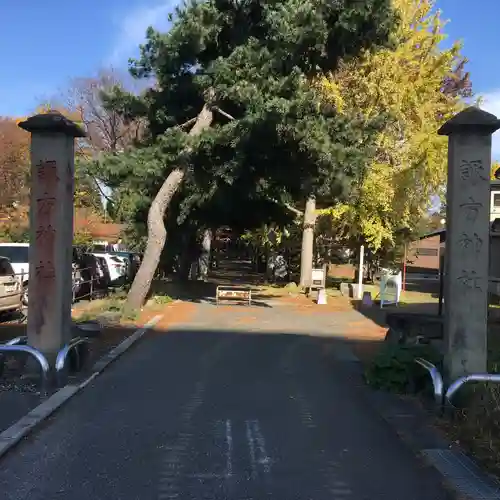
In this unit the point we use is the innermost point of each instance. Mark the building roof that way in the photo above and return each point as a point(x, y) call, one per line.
point(433, 233)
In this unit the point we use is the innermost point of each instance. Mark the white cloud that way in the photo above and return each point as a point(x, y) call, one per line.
point(132, 26)
point(491, 103)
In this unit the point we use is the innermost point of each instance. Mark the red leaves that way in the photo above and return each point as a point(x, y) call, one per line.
point(14, 162)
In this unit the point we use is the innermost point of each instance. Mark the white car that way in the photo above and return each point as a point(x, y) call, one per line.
point(17, 253)
point(10, 288)
point(117, 267)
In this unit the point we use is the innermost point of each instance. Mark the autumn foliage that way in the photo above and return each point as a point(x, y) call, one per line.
point(419, 84)
point(14, 161)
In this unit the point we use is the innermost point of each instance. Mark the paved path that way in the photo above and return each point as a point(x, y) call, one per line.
point(216, 415)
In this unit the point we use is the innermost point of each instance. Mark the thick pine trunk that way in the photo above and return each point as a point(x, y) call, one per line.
point(306, 255)
point(157, 234)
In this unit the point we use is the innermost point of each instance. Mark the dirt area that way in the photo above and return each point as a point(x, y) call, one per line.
point(173, 314)
point(308, 304)
point(363, 334)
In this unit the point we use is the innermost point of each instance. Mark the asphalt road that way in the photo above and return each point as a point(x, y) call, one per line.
point(219, 416)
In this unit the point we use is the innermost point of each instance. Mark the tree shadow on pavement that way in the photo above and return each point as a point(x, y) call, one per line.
point(19, 395)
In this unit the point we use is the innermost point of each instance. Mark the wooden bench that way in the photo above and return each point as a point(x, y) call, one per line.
point(235, 293)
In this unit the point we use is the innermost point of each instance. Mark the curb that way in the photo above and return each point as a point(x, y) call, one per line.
point(463, 478)
point(460, 473)
point(20, 429)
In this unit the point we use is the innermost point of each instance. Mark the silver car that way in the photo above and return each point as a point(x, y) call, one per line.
point(10, 287)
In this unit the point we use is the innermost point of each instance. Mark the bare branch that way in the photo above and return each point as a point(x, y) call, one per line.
point(223, 113)
point(189, 122)
point(294, 210)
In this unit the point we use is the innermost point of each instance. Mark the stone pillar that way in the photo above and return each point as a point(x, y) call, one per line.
point(51, 230)
point(467, 241)
point(306, 254)
point(361, 273)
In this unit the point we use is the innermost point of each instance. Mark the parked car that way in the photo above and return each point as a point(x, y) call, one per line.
point(17, 254)
point(117, 267)
point(77, 279)
point(94, 277)
point(104, 272)
point(133, 261)
point(10, 288)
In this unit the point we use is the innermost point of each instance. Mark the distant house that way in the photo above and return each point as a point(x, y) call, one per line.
point(423, 254)
point(495, 200)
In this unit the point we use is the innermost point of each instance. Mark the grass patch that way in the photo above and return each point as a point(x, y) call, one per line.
point(130, 315)
point(114, 305)
point(161, 300)
point(406, 298)
point(85, 316)
point(333, 292)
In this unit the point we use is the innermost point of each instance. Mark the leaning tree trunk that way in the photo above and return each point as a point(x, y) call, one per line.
point(157, 233)
point(306, 255)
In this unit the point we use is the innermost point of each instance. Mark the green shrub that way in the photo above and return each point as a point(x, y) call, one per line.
point(394, 368)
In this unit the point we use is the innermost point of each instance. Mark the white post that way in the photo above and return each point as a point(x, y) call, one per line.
point(360, 271)
point(51, 231)
point(204, 258)
point(306, 255)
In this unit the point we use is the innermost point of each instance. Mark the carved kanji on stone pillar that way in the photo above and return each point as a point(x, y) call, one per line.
point(51, 230)
point(467, 240)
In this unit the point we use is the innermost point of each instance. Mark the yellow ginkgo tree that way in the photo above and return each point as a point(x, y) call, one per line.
point(495, 167)
point(418, 85)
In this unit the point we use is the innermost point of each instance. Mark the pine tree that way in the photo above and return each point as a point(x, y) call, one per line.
point(233, 103)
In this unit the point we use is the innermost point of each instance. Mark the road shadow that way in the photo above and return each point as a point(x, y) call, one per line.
point(19, 393)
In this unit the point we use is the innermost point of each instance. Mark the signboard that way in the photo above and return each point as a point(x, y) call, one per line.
point(390, 289)
point(318, 278)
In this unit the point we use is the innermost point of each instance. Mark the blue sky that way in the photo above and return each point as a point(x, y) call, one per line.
point(45, 43)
